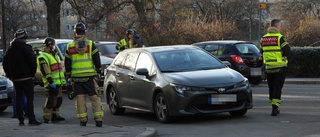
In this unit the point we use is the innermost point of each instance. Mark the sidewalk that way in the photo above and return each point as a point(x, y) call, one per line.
point(9, 128)
point(300, 81)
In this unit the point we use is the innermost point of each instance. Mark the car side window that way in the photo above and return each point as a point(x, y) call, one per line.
point(119, 59)
point(221, 50)
point(144, 61)
point(213, 49)
point(130, 61)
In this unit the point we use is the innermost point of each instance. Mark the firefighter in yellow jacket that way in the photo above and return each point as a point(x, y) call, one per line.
point(82, 64)
point(127, 42)
point(276, 52)
point(53, 79)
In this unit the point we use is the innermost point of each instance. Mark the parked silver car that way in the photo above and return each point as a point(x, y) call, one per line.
point(174, 80)
point(6, 93)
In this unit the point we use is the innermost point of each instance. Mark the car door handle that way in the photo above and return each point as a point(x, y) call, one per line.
point(118, 74)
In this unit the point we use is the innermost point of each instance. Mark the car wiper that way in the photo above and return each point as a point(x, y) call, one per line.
point(247, 53)
point(169, 71)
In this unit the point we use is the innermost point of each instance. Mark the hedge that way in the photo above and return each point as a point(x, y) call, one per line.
point(304, 62)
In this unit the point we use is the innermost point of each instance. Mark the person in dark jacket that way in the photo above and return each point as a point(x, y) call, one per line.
point(19, 64)
point(137, 40)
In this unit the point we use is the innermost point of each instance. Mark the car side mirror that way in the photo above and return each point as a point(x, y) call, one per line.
point(226, 63)
point(143, 71)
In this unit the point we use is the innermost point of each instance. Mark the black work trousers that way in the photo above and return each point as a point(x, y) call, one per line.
point(25, 86)
point(275, 84)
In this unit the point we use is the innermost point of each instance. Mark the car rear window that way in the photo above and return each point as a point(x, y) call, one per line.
point(107, 49)
point(247, 48)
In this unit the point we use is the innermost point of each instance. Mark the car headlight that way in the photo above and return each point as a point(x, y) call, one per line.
point(9, 84)
point(181, 89)
point(242, 84)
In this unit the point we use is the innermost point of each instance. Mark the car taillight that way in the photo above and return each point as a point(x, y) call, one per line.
point(237, 59)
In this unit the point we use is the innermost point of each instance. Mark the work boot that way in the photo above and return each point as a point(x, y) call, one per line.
point(275, 110)
point(34, 123)
point(83, 123)
point(46, 121)
point(58, 118)
point(21, 123)
point(14, 116)
point(98, 123)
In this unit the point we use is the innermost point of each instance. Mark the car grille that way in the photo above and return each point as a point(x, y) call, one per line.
point(3, 87)
point(201, 103)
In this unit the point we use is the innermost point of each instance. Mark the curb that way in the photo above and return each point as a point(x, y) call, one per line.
point(299, 81)
point(149, 132)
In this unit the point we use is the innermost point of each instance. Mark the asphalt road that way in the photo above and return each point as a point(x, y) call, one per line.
point(299, 117)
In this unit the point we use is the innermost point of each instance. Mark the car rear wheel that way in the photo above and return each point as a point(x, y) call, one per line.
point(114, 103)
point(3, 109)
point(161, 108)
point(255, 81)
point(238, 112)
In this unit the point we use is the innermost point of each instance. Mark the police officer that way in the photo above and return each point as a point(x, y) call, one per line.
point(127, 42)
point(276, 51)
point(82, 63)
point(53, 79)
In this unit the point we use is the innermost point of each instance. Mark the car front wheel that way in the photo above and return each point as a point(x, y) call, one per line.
point(161, 108)
point(238, 112)
point(114, 103)
point(3, 109)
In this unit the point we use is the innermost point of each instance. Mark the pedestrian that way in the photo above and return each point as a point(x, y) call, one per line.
point(276, 52)
point(53, 79)
point(127, 42)
point(137, 40)
point(82, 64)
point(24, 105)
point(19, 64)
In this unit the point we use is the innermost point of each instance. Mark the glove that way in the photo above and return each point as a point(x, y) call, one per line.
point(52, 85)
point(71, 94)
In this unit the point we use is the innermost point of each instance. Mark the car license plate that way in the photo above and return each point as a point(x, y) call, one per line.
point(255, 71)
point(2, 96)
point(222, 98)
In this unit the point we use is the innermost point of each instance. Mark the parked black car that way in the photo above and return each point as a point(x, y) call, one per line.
point(244, 57)
point(174, 80)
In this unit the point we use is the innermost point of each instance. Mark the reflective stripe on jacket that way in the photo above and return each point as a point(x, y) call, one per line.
point(82, 64)
point(55, 69)
point(272, 54)
point(123, 43)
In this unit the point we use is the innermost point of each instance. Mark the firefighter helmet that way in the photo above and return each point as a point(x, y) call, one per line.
point(49, 41)
point(80, 27)
point(130, 31)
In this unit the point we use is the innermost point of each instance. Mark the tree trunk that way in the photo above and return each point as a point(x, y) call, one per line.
point(144, 24)
point(53, 17)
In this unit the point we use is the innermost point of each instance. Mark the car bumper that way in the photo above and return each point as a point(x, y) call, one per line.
point(198, 102)
point(6, 100)
point(251, 72)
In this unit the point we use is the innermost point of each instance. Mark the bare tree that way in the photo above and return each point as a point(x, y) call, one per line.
point(18, 14)
point(53, 17)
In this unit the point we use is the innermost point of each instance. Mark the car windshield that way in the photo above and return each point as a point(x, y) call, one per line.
point(62, 47)
point(247, 49)
point(107, 49)
point(186, 60)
